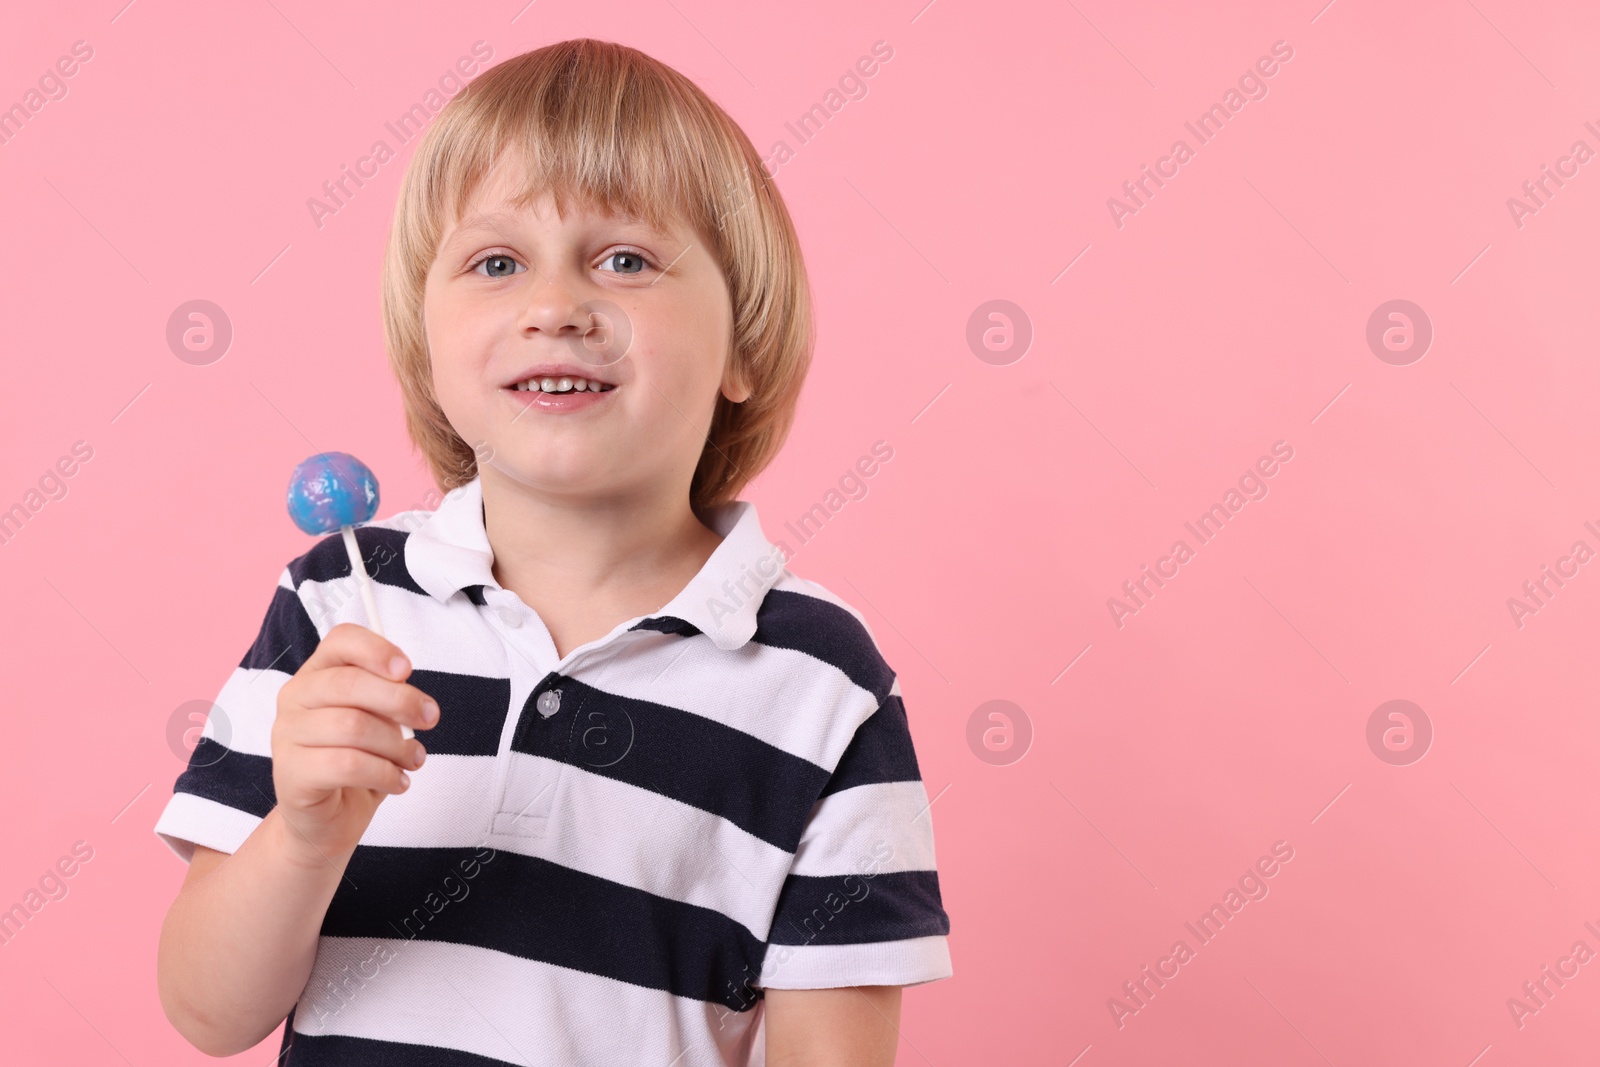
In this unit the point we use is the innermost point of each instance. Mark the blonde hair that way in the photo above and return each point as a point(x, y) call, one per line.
point(610, 126)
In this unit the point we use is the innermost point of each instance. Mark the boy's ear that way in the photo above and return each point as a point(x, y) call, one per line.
point(735, 385)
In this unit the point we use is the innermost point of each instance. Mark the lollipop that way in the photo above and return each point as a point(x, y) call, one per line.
point(334, 491)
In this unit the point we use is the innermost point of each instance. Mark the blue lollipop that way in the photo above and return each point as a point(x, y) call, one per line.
point(330, 491)
point(335, 491)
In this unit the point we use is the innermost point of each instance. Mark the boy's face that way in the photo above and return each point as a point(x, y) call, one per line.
point(504, 296)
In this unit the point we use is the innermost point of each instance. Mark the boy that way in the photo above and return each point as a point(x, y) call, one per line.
point(670, 812)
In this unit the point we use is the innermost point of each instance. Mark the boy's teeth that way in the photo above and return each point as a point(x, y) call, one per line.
point(560, 385)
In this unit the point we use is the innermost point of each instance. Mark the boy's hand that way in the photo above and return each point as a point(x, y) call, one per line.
point(336, 744)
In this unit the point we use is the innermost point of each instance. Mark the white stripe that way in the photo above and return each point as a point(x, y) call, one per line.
point(522, 1011)
point(249, 703)
point(868, 829)
point(590, 823)
point(449, 637)
point(908, 962)
point(786, 698)
point(190, 820)
point(628, 835)
point(447, 805)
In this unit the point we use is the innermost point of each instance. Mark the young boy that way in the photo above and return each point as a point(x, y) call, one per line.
point(670, 811)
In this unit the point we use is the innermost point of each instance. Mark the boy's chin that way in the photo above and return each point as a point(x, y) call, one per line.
point(541, 475)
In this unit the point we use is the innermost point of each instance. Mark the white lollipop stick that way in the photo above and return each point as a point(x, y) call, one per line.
point(359, 569)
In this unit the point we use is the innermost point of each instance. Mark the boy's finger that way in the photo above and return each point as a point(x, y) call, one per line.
point(344, 768)
point(353, 727)
point(358, 646)
point(347, 686)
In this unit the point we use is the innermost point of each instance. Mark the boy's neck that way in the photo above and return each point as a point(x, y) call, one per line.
point(586, 561)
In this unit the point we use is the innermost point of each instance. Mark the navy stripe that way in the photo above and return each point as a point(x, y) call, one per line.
point(667, 624)
point(472, 712)
point(758, 787)
point(530, 907)
point(383, 551)
point(827, 632)
point(853, 909)
point(340, 1050)
point(236, 779)
point(287, 636)
point(880, 751)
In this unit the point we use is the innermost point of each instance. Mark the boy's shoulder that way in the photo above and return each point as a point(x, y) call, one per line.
point(824, 602)
point(382, 545)
point(805, 615)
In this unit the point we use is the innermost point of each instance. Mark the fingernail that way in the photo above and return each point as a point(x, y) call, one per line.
point(397, 666)
point(405, 779)
point(430, 712)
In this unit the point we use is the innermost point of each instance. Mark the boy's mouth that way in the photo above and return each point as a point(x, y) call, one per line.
point(563, 384)
point(560, 395)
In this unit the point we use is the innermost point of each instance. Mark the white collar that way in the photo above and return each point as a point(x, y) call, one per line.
point(450, 551)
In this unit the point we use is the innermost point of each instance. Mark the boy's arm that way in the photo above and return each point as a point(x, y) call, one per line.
point(864, 867)
point(852, 1026)
point(239, 941)
point(286, 783)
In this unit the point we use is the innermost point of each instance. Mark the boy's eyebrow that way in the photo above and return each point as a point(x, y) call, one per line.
point(494, 221)
point(490, 221)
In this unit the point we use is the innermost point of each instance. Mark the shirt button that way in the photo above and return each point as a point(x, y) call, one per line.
point(510, 618)
point(549, 702)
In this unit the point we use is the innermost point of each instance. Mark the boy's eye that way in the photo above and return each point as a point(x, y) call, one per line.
point(501, 265)
point(635, 260)
point(497, 261)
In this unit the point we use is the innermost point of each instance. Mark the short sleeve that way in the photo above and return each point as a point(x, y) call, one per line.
point(860, 904)
point(226, 789)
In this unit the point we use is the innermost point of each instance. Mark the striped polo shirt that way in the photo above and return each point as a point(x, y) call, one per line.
point(609, 855)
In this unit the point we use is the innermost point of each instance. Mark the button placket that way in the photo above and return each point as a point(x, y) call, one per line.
point(530, 793)
point(529, 788)
point(526, 784)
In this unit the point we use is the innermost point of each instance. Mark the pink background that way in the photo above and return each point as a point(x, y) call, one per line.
point(1227, 314)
